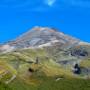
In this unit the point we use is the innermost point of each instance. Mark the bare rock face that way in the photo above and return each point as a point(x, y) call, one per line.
point(6, 48)
point(43, 36)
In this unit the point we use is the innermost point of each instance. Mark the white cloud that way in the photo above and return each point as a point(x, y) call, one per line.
point(42, 6)
point(50, 2)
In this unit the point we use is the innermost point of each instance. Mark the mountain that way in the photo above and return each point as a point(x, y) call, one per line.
point(43, 36)
point(45, 58)
point(39, 37)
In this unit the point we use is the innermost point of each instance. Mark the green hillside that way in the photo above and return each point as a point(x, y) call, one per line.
point(20, 70)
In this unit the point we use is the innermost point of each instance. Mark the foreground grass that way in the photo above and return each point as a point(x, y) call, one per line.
point(49, 84)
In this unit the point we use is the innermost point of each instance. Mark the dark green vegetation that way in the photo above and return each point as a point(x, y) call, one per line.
point(20, 70)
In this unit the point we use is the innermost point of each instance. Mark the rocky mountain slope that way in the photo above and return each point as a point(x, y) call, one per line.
point(43, 35)
point(38, 37)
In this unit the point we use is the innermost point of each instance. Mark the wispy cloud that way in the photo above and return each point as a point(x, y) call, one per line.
point(50, 2)
point(43, 5)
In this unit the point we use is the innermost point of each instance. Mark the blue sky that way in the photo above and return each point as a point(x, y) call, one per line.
point(69, 16)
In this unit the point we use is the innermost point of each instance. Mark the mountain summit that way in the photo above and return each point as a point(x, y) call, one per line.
point(43, 36)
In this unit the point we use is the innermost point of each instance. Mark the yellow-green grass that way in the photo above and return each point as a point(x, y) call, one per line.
point(47, 66)
point(48, 83)
point(85, 63)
